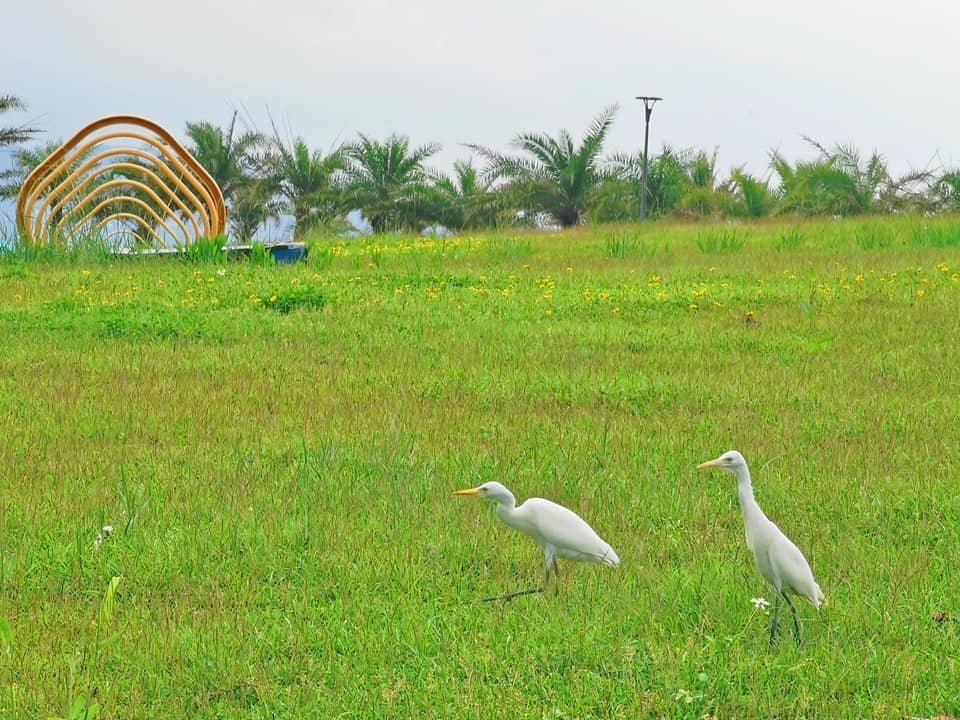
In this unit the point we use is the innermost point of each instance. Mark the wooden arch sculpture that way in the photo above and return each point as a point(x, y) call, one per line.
point(121, 185)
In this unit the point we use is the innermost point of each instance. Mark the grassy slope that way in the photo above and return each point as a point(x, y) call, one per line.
point(280, 481)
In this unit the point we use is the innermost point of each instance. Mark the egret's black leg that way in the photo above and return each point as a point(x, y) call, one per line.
point(796, 623)
point(551, 562)
point(774, 623)
point(551, 565)
point(514, 595)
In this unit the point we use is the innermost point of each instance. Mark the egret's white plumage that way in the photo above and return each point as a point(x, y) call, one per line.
point(559, 531)
point(779, 561)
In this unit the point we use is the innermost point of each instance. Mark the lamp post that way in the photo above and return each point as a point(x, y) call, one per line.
point(648, 102)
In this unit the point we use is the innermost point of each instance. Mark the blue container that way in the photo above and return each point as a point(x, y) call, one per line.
point(288, 253)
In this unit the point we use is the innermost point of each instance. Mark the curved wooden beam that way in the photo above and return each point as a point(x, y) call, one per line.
point(90, 217)
point(129, 216)
point(104, 169)
point(91, 214)
point(206, 212)
point(117, 233)
point(180, 168)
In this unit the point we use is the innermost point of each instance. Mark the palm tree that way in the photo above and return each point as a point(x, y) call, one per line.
point(701, 197)
point(946, 191)
point(14, 135)
point(228, 156)
point(465, 200)
point(677, 180)
point(255, 203)
point(308, 184)
point(11, 179)
point(24, 160)
point(754, 197)
point(838, 182)
point(701, 168)
point(558, 177)
point(388, 182)
point(241, 166)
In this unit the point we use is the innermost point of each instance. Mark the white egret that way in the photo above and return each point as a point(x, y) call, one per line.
point(559, 531)
point(779, 561)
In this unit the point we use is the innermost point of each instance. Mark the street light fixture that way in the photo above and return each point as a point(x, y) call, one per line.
point(648, 102)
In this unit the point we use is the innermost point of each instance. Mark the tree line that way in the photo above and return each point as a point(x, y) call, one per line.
point(546, 180)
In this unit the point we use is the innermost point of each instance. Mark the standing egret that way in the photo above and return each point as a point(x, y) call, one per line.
point(779, 561)
point(559, 531)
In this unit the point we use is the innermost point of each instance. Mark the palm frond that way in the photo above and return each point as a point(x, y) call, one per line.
point(16, 134)
point(558, 177)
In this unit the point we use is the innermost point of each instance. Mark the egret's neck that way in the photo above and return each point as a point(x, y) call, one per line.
point(507, 508)
point(751, 510)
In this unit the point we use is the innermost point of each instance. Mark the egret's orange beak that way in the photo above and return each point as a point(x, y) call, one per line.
point(470, 491)
point(708, 464)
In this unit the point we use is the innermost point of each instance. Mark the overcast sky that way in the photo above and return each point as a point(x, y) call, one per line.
point(744, 77)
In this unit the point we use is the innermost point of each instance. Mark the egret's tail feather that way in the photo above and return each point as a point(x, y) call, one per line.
point(818, 599)
point(610, 557)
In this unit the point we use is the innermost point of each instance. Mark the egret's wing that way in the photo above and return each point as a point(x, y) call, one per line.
point(567, 532)
point(792, 568)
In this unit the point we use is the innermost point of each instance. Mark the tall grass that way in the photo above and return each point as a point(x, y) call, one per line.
point(505, 248)
point(721, 240)
point(943, 236)
point(875, 235)
point(622, 243)
point(790, 239)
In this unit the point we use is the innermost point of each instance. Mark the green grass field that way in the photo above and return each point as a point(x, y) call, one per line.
point(276, 448)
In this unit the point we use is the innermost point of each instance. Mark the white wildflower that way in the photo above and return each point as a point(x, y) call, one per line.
point(221, 272)
point(102, 536)
point(760, 603)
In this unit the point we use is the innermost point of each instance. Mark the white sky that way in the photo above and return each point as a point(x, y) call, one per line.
point(745, 76)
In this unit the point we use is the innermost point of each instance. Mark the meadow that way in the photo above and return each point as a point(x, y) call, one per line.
point(275, 448)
